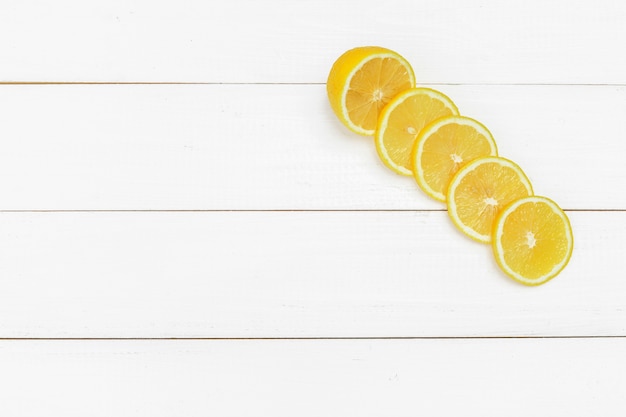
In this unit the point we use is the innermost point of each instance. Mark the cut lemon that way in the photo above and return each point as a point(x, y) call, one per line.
point(362, 81)
point(532, 240)
point(443, 147)
point(401, 121)
point(480, 189)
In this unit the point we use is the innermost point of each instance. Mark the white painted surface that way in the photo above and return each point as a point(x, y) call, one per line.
point(293, 274)
point(268, 147)
point(515, 378)
point(547, 77)
point(457, 41)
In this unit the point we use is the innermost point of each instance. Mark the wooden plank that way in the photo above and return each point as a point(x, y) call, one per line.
point(313, 378)
point(293, 274)
point(265, 147)
point(457, 41)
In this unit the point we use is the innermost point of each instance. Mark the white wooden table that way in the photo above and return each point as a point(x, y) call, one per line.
point(187, 230)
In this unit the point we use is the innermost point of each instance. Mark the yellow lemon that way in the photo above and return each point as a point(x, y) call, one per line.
point(532, 240)
point(445, 146)
point(480, 189)
point(402, 120)
point(362, 81)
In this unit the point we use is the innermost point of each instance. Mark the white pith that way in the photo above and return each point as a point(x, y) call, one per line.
point(462, 174)
point(499, 230)
point(434, 127)
point(384, 117)
point(357, 68)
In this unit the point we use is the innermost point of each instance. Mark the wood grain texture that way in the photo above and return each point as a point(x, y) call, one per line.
point(455, 41)
point(293, 274)
point(234, 205)
point(515, 378)
point(267, 147)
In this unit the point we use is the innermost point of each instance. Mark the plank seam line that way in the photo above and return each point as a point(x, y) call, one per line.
point(265, 210)
point(307, 338)
point(301, 83)
point(217, 210)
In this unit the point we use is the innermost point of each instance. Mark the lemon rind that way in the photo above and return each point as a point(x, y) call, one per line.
point(383, 53)
point(431, 128)
point(498, 250)
point(461, 174)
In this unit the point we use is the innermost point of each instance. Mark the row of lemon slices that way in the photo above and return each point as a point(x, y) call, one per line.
point(454, 159)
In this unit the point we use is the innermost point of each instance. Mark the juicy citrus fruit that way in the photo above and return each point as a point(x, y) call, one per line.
point(532, 240)
point(480, 189)
point(362, 81)
point(402, 120)
point(443, 147)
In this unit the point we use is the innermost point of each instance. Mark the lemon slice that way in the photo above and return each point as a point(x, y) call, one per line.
point(532, 240)
point(443, 147)
point(402, 120)
point(480, 189)
point(362, 81)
